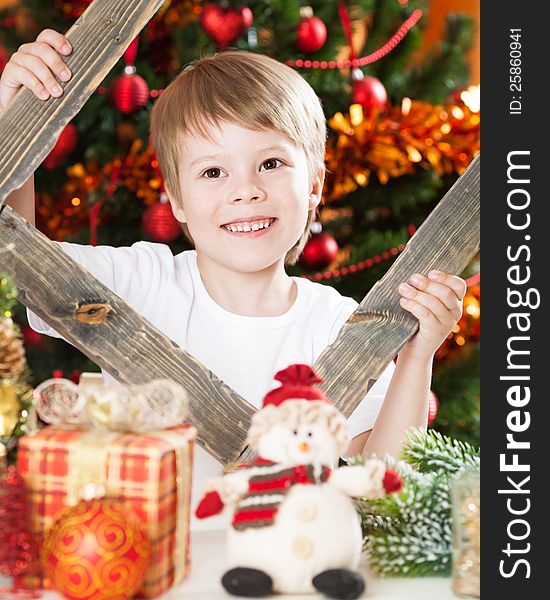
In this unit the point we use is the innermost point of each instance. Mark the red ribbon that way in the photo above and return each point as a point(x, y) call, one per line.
point(131, 52)
point(344, 17)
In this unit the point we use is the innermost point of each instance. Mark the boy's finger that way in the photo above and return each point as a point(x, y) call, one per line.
point(40, 71)
point(457, 284)
point(422, 313)
point(430, 302)
point(445, 293)
point(56, 40)
point(48, 55)
point(26, 78)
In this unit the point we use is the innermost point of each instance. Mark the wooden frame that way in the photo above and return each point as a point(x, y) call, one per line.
point(122, 342)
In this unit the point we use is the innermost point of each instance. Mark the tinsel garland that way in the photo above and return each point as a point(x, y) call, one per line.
point(414, 135)
point(409, 534)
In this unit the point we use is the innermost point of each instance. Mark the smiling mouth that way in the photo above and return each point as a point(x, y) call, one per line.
point(249, 226)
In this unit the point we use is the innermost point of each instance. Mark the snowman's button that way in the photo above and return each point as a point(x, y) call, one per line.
point(306, 511)
point(302, 547)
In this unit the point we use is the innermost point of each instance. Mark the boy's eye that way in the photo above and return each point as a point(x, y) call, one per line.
point(212, 173)
point(271, 163)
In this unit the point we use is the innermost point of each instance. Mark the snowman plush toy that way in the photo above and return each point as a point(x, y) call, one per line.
point(294, 528)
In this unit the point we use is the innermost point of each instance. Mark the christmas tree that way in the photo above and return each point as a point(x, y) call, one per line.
point(401, 130)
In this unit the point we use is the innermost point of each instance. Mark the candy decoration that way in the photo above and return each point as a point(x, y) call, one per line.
point(311, 34)
point(64, 146)
point(368, 91)
point(159, 223)
point(224, 25)
point(319, 252)
point(96, 550)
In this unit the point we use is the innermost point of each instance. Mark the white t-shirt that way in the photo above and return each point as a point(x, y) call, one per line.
point(244, 352)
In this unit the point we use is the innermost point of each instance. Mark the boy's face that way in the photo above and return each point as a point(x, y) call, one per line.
point(245, 197)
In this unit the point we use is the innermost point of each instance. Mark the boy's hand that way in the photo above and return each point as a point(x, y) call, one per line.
point(37, 66)
point(436, 301)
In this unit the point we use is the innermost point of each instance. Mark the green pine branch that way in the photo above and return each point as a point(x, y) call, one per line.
point(432, 451)
point(446, 68)
point(409, 533)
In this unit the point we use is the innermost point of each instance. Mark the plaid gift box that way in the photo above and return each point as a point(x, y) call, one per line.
point(149, 472)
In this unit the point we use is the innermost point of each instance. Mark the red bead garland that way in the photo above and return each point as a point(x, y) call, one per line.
point(336, 64)
point(365, 60)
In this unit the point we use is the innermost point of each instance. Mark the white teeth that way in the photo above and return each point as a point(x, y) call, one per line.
point(256, 226)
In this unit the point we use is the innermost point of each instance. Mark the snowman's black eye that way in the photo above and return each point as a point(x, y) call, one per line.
point(309, 434)
point(295, 432)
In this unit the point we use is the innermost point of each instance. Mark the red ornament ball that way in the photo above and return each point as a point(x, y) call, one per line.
point(159, 223)
point(311, 34)
point(320, 250)
point(32, 338)
point(95, 550)
point(64, 146)
point(3, 57)
point(224, 25)
point(370, 93)
point(128, 92)
point(432, 407)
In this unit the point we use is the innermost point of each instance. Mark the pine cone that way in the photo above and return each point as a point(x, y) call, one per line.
point(12, 352)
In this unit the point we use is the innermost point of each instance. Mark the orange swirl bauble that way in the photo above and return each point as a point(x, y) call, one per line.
point(95, 550)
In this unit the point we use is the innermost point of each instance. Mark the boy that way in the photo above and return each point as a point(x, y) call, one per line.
point(240, 140)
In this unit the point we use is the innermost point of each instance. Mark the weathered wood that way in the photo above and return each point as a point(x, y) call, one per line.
point(29, 127)
point(115, 336)
point(447, 241)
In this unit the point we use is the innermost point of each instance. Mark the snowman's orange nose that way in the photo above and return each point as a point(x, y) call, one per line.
point(304, 447)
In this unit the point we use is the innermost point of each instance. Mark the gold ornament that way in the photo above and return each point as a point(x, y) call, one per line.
point(9, 408)
point(12, 352)
point(466, 535)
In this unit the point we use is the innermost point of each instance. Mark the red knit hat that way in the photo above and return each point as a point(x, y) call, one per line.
point(297, 382)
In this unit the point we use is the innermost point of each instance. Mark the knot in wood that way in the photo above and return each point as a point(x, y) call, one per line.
point(92, 314)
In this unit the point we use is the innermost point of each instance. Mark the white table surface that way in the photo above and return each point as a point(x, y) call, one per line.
point(208, 565)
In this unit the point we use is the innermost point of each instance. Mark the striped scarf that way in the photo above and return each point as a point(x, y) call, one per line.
point(267, 486)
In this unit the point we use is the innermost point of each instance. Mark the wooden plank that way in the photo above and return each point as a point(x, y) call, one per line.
point(111, 334)
point(115, 336)
point(447, 241)
point(118, 339)
point(29, 126)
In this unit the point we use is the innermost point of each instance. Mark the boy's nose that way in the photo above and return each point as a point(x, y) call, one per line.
point(243, 198)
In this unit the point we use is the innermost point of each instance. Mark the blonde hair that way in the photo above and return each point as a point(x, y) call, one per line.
point(248, 89)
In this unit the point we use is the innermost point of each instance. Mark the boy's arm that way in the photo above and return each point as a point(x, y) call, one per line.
point(37, 66)
point(436, 301)
point(22, 200)
point(405, 406)
point(411, 379)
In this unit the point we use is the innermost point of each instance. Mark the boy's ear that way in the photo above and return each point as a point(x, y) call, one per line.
point(177, 208)
point(316, 191)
